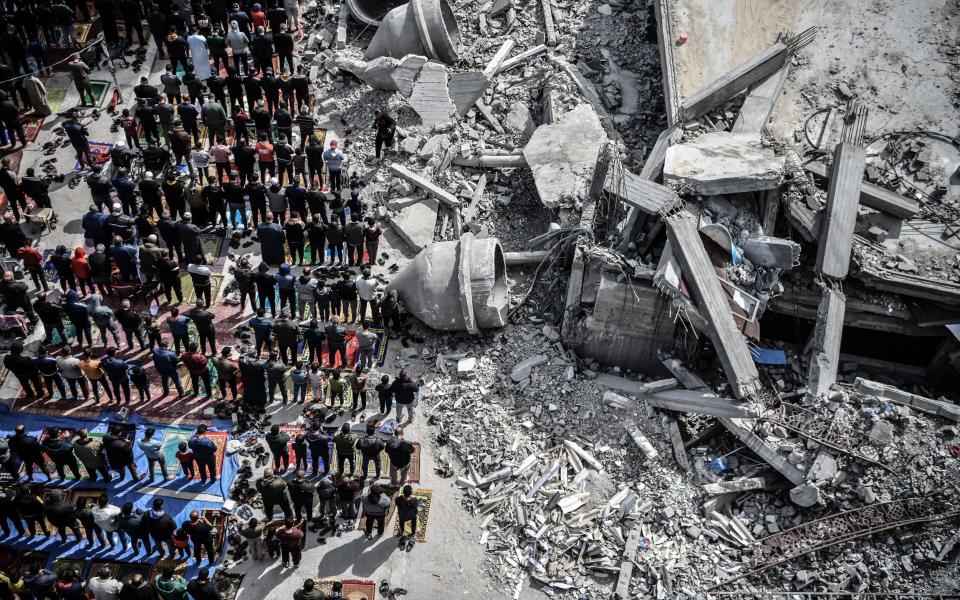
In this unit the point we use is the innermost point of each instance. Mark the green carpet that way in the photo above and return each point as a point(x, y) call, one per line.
point(100, 89)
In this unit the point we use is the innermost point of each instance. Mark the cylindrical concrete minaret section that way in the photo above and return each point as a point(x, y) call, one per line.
point(456, 285)
point(371, 12)
point(424, 27)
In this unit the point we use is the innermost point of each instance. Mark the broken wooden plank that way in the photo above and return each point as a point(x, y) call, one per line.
point(676, 439)
point(639, 192)
point(485, 112)
point(491, 161)
point(549, 32)
point(431, 188)
point(342, 25)
point(470, 213)
point(521, 58)
point(626, 566)
point(652, 167)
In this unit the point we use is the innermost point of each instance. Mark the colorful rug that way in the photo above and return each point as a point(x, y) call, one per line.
point(190, 295)
point(67, 433)
point(424, 497)
point(122, 571)
point(353, 589)
point(99, 152)
point(172, 436)
point(32, 129)
point(179, 567)
point(64, 566)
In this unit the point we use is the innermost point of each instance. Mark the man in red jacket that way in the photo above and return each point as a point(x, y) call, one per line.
point(196, 364)
point(33, 263)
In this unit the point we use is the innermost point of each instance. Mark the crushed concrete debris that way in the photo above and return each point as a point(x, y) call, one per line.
point(722, 163)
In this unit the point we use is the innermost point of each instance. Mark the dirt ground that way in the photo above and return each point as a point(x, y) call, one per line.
point(897, 58)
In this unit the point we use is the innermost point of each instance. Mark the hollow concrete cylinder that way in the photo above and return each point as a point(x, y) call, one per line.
point(371, 12)
point(456, 285)
point(424, 27)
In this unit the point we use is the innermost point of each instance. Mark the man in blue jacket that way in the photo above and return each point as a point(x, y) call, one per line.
point(94, 225)
point(118, 372)
point(166, 362)
point(262, 329)
point(205, 453)
point(333, 156)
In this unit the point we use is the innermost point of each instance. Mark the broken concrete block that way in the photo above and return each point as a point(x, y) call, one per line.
point(523, 369)
point(772, 252)
point(431, 97)
point(722, 163)
point(406, 73)
point(415, 224)
point(563, 155)
point(434, 145)
point(378, 73)
point(518, 120)
point(805, 495)
point(402, 202)
point(466, 88)
point(824, 468)
point(615, 400)
point(467, 367)
point(882, 433)
point(737, 485)
point(410, 145)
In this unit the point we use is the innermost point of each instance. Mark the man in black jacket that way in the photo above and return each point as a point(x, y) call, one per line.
point(160, 527)
point(386, 127)
point(132, 323)
point(246, 158)
point(201, 536)
point(51, 315)
point(251, 85)
point(400, 452)
point(301, 493)
point(130, 523)
point(206, 331)
point(28, 448)
point(284, 44)
point(370, 448)
point(120, 453)
point(25, 370)
point(15, 294)
point(62, 514)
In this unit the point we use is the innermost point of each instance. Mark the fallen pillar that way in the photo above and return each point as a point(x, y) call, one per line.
point(898, 396)
point(753, 70)
point(371, 12)
point(342, 26)
point(827, 333)
point(533, 257)
point(521, 58)
point(456, 285)
point(722, 163)
point(699, 402)
point(840, 215)
point(739, 428)
point(425, 27)
point(640, 192)
point(494, 65)
point(431, 188)
point(874, 196)
point(759, 103)
point(491, 161)
point(712, 301)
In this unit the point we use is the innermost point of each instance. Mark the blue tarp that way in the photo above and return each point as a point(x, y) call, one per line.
point(120, 492)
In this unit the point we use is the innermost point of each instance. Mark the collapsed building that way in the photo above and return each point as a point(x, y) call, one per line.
point(754, 274)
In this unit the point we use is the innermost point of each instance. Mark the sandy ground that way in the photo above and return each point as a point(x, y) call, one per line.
point(892, 55)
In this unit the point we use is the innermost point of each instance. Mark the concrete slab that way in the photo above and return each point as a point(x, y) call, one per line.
point(562, 155)
point(378, 73)
point(415, 224)
point(434, 145)
point(722, 163)
point(406, 73)
point(773, 252)
point(466, 88)
point(431, 97)
point(827, 334)
point(519, 120)
point(840, 215)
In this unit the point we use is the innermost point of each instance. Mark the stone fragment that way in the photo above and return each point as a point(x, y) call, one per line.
point(467, 367)
point(824, 468)
point(562, 155)
point(415, 224)
point(523, 369)
point(805, 495)
point(431, 97)
point(466, 88)
point(520, 121)
point(434, 145)
point(378, 73)
point(410, 144)
point(882, 432)
point(406, 73)
point(722, 163)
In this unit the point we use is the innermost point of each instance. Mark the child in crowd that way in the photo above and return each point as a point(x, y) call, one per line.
point(138, 377)
point(384, 395)
point(185, 456)
point(336, 388)
point(315, 377)
point(181, 544)
point(300, 451)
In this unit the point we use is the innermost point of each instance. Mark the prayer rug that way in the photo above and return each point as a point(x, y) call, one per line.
point(17, 561)
point(179, 567)
point(379, 353)
point(353, 589)
point(423, 497)
point(64, 566)
point(212, 244)
point(55, 98)
point(99, 152)
point(83, 32)
point(65, 433)
point(100, 89)
point(172, 436)
point(362, 522)
point(413, 475)
point(122, 571)
point(32, 129)
point(190, 296)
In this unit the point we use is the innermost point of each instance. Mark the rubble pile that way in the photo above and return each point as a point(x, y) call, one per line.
point(691, 348)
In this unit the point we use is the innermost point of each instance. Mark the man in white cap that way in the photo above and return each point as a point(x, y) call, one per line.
point(333, 156)
point(150, 255)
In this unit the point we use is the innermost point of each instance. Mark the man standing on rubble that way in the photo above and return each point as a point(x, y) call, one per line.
point(386, 127)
